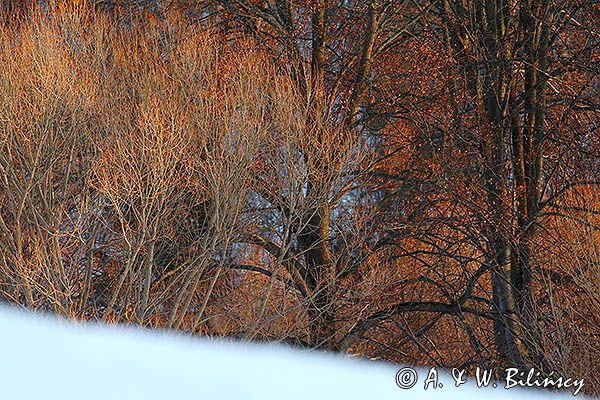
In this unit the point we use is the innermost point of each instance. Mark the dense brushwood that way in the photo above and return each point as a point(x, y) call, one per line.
point(413, 181)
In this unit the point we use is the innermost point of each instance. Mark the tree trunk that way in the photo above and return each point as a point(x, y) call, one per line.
point(320, 276)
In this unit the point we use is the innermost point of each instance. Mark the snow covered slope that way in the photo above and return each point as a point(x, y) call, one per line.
point(42, 358)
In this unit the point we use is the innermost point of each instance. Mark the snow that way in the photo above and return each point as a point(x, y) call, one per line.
point(43, 357)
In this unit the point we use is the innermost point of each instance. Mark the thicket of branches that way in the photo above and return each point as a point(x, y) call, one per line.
point(414, 181)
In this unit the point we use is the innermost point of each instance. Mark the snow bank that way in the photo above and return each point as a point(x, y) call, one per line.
point(43, 358)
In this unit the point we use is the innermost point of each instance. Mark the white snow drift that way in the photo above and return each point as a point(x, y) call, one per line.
point(43, 358)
